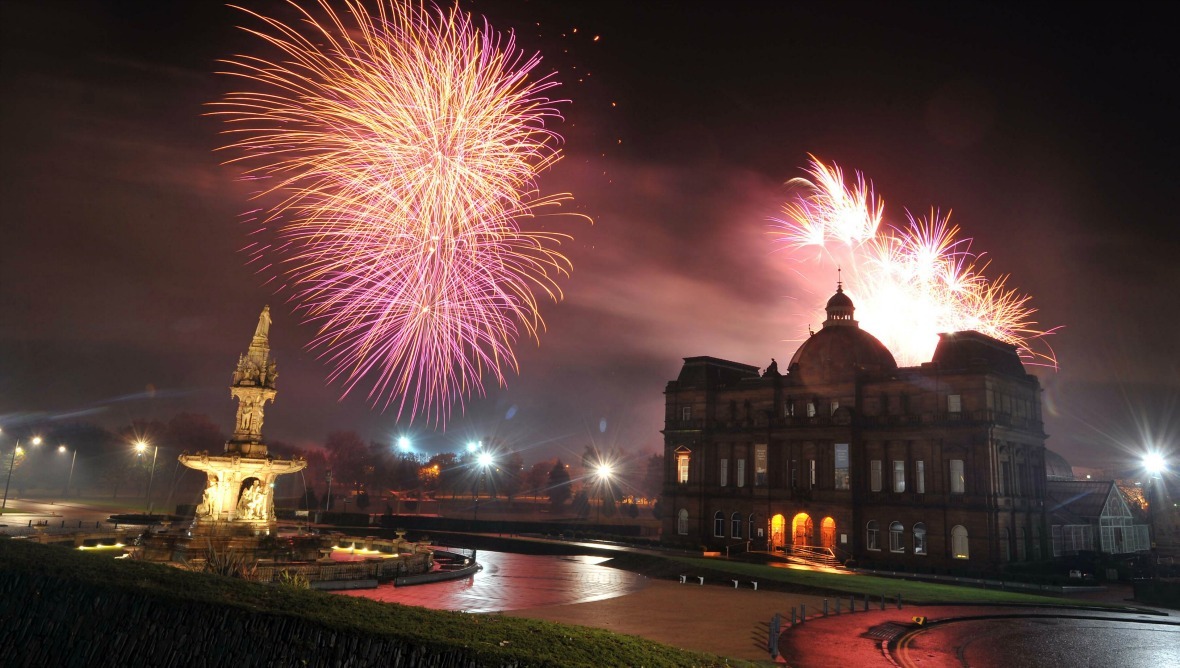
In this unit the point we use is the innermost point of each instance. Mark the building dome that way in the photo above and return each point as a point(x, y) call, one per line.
point(1057, 467)
point(840, 350)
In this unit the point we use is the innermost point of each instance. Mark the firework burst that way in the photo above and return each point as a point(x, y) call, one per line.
point(400, 152)
point(910, 283)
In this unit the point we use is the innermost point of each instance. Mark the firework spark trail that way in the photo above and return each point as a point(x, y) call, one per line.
point(402, 149)
point(909, 283)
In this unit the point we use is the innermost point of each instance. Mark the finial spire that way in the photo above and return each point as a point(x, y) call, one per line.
point(839, 280)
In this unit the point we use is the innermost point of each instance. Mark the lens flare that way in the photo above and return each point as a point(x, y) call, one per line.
point(398, 152)
point(909, 283)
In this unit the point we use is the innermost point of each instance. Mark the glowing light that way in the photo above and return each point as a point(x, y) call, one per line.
point(1155, 463)
point(909, 283)
point(605, 471)
point(403, 443)
point(485, 459)
point(402, 150)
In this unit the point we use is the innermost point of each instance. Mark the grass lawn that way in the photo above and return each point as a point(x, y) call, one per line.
point(488, 639)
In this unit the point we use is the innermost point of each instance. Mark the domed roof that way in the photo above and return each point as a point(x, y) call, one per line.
point(839, 353)
point(841, 349)
point(1057, 467)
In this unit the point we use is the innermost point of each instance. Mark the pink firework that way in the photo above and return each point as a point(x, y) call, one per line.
point(909, 283)
point(399, 151)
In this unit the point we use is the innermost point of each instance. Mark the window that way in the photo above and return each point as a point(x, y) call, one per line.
point(718, 525)
point(958, 483)
point(896, 532)
point(760, 465)
point(871, 536)
point(788, 408)
point(920, 538)
point(959, 548)
point(811, 409)
point(875, 478)
point(898, 475)
point(740, 474)
point(920, 477)
point(682, 522)
point(686, 413)
point(724, 474)
point(954, 403)
point(835, 406)
point(682, 466)
point(841, 466)
point(1021, 552)
point(735, 525)
point(811, 472)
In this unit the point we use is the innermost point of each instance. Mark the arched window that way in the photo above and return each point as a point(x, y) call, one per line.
point(896, 530)
point(871, 539)
point(718, 524)
point(682, 522)
point(920, 538)
point(735, 525)
point(959, 547)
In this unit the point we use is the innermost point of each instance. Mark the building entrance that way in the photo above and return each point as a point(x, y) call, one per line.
point(827, 532)
point(778, 526)
point(801, 530)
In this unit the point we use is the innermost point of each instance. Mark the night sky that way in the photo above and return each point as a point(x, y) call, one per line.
point(1051, 133)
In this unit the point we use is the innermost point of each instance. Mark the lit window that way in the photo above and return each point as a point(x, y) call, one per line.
point(898, 475)
point(954, 403)
point(724, 472)
point(735, 525)
point(682, 457)
point(875, 478)
point(811, 409)
point(760, 465)
point(811, 469)
point(896, 532)
point(959, 548)
point(740, 478)
point(686, 413)
point(835, 406)
point(718, 525)
point(920, 538)
point(842, 477)
point(920, 477)
point(682, 522)
point(788, 408)
point(871, 536)
point(958, 483)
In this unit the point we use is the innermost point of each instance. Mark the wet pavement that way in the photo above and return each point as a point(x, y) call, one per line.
point(510, 582)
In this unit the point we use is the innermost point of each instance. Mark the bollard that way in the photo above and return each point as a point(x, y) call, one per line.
point(866, 602)
point(701, 578)
point(772, 638)
point(735, 584)
point(79, 524)
point(30, 522)
point(882, 601)
point(755, 583)
point(837, 605)
point(63, 524)
point(899, 600)
point(792, 616)
point(825, 607)
point(683, 579)
point(802, 613)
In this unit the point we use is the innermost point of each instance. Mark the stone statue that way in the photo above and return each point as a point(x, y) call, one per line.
point(263, 328)
point(246, 500)
point(209, 500)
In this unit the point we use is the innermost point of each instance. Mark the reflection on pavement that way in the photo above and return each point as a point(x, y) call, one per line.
point(515, 582)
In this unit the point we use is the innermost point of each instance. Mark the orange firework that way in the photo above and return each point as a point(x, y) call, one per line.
point(399, 151)
point(911, 283)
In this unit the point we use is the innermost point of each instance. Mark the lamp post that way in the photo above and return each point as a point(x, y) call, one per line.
point(141, 447)
point(604, 475)
point(484, 460)
point(16, 450)
point(73, 459)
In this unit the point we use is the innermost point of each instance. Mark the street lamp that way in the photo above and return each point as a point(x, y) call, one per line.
point(141, 447)
point(484, 460)
point(73, 458)
point(403, 444)
point(16, 450)
point(604, 472)
point(1155, 465)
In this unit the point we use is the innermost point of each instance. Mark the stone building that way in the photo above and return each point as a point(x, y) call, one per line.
point(938, 465)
